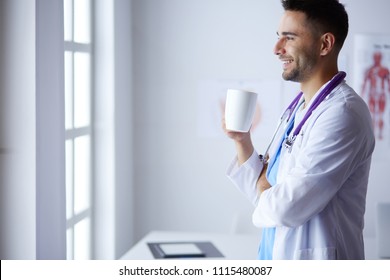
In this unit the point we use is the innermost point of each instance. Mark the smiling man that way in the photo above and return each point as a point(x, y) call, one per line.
point(309, 189)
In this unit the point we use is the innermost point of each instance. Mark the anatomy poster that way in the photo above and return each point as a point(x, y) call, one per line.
point(211, 106)
point(372, 81)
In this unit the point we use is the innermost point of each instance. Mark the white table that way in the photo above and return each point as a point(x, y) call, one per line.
point(237, 247)
point(232, 246)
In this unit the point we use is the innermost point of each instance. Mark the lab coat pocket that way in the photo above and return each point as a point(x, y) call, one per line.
point(297, 144)
point(296, 150)
point(289, 158)
point(328, 253)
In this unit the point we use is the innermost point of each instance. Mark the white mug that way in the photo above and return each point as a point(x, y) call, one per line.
point(239, 109)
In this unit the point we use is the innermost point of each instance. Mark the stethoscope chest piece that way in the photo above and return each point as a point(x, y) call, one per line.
point(336, 80)
point(289, 142)
point(291, 109)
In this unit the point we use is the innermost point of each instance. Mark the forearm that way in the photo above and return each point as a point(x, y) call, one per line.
point(244, 149)
point(242, 141)
point(246, 175)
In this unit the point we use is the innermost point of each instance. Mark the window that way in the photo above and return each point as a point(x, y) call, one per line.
point(78, 127)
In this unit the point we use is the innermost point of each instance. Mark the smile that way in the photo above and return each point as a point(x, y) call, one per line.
point(286, 63)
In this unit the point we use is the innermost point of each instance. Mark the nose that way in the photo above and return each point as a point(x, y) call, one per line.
point(279, 47)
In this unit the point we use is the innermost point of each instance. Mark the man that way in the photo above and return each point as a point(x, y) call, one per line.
point(309, 190)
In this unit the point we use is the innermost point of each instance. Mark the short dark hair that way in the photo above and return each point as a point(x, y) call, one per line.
point(325, 15)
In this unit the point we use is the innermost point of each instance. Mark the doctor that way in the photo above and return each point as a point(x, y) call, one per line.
point(309, 188)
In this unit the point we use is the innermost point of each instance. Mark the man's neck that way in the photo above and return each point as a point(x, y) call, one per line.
point(310, 87)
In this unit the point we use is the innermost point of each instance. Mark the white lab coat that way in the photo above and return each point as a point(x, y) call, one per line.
point(318, 202)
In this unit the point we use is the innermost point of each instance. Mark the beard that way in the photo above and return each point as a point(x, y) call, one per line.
point(294, 76)
point(303, 68)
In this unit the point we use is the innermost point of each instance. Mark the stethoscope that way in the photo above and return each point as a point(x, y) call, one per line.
point(290, 110)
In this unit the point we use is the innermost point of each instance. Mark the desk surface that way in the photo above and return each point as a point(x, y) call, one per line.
point(237, 247)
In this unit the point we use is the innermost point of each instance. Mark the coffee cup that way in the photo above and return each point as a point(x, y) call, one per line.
point(239, 109)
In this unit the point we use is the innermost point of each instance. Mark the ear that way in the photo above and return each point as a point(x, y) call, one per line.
point(327, 43)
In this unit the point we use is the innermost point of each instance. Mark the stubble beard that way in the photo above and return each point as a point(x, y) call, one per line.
point(293, 76)
point(301, 72)
point(303, 69)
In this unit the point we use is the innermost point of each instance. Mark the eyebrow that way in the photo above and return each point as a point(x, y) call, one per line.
point(287, 34)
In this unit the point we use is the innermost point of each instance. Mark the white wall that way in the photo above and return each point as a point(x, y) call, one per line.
point(49, 131)
point(371, 17)
point(32, 152)
point(123, 127)
point(17, 145)
point(113, 193)
point(180, 177)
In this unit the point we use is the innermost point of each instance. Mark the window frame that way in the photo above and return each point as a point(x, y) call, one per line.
point(72, 133)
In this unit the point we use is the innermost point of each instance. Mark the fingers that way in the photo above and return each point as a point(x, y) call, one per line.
point(229, 133)
point(234, 135)
point(223, 124)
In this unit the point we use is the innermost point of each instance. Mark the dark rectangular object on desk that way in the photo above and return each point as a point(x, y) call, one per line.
point(163, 250)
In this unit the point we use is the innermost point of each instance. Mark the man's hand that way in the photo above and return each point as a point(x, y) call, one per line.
point(262, 183)
point(243, 143)
point(236, 136)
